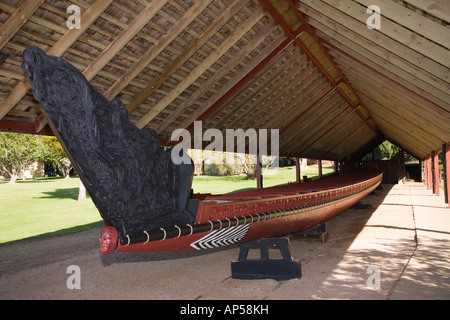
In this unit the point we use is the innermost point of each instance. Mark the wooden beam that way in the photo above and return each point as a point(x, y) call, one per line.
point(416, 117)
point(254, 98)
point(17, 20)
point(315, 103)
point(430, 173)
point(297, 170)
point(307, 42)
point(200, 69)
point(413, 21)
point(382, 50)
point(206, 112)
point(389, 28)
point(446, 151)
point(148, 56)
point(393, 80)
point(123, 38)
point(219, 74)
point(185, 55)
point(64, 43)
point(436, 172)
point(283, 81)
point(24, 127)
point(437, 8)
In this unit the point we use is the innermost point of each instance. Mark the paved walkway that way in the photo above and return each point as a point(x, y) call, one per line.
point(398, 249)
point(427, 275)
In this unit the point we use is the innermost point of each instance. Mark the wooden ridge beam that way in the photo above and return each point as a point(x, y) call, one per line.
point(332, 73)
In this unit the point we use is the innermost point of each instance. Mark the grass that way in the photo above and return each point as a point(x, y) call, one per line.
point(43, 206)
point(49, 206)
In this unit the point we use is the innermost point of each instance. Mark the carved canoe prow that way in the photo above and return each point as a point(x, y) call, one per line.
point(130, 177)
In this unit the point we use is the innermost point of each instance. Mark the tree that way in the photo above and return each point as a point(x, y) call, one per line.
point(52, 152)
point(386, 150)
point(17, 152)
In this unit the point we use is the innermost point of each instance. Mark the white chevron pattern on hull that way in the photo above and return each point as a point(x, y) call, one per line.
point(222, 237)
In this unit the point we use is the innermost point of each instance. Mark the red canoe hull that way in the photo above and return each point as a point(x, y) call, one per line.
point(236, 221)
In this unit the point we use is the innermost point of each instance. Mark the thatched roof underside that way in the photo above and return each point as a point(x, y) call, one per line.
point(311, 69)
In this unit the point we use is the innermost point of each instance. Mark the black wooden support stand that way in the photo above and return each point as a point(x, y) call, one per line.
point(266, 268)
point(317, 232)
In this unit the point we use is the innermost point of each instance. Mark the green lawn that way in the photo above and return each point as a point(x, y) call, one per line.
point(48, 206)
point(41, 206)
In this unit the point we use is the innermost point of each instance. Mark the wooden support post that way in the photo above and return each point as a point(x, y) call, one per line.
point(297, 170)
point(446, 151)
point(259, 177)
point(424, 171)
point(436, 173)
point(430, 176)
point(320, 169)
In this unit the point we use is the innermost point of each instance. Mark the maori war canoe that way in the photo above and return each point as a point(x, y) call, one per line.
point(145, 199)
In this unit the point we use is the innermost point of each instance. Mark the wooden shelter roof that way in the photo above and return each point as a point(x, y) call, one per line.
point(312, 69)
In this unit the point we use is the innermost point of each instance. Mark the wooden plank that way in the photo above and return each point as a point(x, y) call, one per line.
point(422, 133)
point(436, 177)
point(228, 90)
point(404, 70)
point(200, 69)
point(185, 55)
point(306, 124)
point(410, 121)
point(410, 138)
point(399, 100)
point(437, 8)
point(17, 20)
point(189, 16)
point(123, 38)
point(220, 73)
point(311, 45)
point(377, 47)
point(64, 43)
point(446, 161)
point(414, 21)
point(254, 94)
point(248, 114)
point(389, 28)
point(296, 103)
point(354, 60)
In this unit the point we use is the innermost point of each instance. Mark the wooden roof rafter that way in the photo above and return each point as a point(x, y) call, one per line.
point(306, 39)
point(162, 61)
point(64, 43)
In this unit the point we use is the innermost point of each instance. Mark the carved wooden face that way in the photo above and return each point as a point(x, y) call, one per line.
point(108, 240)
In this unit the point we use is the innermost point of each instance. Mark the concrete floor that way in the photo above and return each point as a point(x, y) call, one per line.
point(398, 249)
